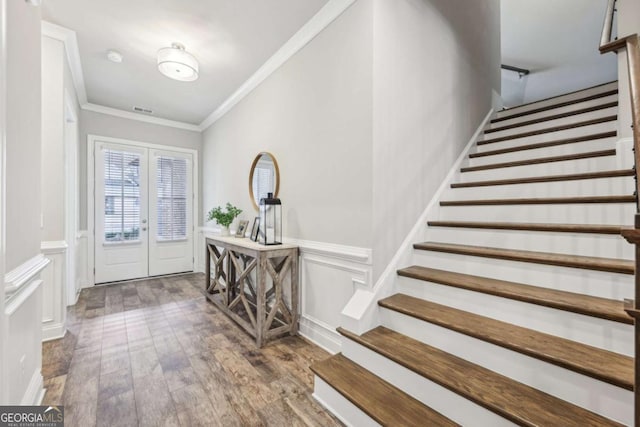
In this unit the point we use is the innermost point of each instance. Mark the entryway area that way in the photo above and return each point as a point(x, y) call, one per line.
point(143, 199)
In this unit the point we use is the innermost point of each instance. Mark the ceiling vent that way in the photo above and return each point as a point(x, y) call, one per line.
point(142, 110)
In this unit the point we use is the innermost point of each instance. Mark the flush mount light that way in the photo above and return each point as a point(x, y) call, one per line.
point(176, 63)
point(34, 2)
point(114, 56)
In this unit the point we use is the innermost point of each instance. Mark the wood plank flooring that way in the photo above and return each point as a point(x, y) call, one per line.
point(156, 353)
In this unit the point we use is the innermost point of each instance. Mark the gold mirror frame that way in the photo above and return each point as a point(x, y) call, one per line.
point(253, 168)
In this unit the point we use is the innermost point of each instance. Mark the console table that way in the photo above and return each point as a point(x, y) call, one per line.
point(251, 284)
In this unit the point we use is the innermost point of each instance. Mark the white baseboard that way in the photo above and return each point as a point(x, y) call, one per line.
point(35, 390)
point(321, 334)
point(361, 312)
point(53, 332)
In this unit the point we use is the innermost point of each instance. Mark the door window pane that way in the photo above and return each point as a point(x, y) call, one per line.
point(122, 196)
point(171, 184)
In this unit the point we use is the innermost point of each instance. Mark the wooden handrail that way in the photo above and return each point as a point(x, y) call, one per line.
point(632, 46)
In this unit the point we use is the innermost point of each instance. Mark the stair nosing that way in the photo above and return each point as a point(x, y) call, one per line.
point(554, 117)
point(500, 409)
point(557, 360)
point(554, 106)
point(544, 258)
point(542, 201)
point(524, 226)
point(548, 178)
point(549, 130)
point(318, 370)
point(555, 143)
point(509, 290)
point(541, 160)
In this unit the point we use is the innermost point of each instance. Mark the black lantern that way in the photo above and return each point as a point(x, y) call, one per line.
point(270, 221)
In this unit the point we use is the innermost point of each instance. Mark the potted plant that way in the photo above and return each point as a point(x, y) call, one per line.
point(224, 219)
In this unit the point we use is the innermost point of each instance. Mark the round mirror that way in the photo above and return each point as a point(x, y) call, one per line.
point(264, 178)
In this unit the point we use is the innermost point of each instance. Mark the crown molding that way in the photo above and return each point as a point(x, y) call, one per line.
point(70, 41)
point(139, 117)
point(308, 32)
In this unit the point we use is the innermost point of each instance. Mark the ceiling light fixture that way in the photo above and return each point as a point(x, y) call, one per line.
point(176, 63)
point(34, 2)
point(114, 56)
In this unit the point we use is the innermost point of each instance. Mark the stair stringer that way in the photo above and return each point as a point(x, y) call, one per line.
point(361, 313)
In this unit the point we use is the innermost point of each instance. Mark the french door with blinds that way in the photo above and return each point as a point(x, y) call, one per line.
point(143, 212)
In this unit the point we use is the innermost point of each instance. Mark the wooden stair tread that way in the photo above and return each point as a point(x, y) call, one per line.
point(540, 160)
point(542, 201)
point(551, 227)
point(558, 105)
point(553, 117)
point(547, 144)
point(382, 401)
point(548, 178)
point(550, 129)
point(568, 301)
point(510, 399)
point(562, 260)
point(607, 366)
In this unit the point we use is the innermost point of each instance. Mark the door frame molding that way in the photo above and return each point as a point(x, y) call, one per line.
point(91, 229)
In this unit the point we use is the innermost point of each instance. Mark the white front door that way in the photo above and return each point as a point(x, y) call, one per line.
point(143, 212)
point(170, 207)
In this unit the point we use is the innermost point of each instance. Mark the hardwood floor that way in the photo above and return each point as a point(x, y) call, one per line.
point(156, 353)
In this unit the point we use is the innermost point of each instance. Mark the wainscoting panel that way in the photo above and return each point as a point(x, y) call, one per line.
point(54, 294)
point(329, 276)
point(23, 314)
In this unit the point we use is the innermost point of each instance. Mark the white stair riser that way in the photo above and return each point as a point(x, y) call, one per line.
point(588, 282)
point(559, 150)
point(595, 213)
point(596, 245)
point(559, 99)
point(586, 187)
point(605, 334)
point(552, 112)
point(566, 167)
point(596, 396)
point(340, 406)
point(611, 111)
point(440, 399)
point(550, 136)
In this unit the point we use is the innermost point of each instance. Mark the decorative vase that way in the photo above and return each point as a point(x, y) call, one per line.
point(224, 231)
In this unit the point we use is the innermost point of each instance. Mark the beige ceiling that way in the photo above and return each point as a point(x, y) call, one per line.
point(230, 38)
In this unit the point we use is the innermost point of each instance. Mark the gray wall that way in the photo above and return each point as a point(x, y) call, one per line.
point(92, 123)
point(23, 149)
point(315, 115)
point(435, 65)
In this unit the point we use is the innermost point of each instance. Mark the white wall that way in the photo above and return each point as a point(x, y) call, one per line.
point(314, 115)
point(21, 332)
point(3, 101)
point(52, 160)
point(92, 123)
point(435, 65)
point(23, 134)
point(558, 42)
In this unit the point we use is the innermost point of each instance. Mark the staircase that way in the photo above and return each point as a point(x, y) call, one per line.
point(513, 310)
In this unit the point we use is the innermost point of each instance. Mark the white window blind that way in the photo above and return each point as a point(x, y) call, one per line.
point(122, 196)
point(263, 181)
point(171, 182)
